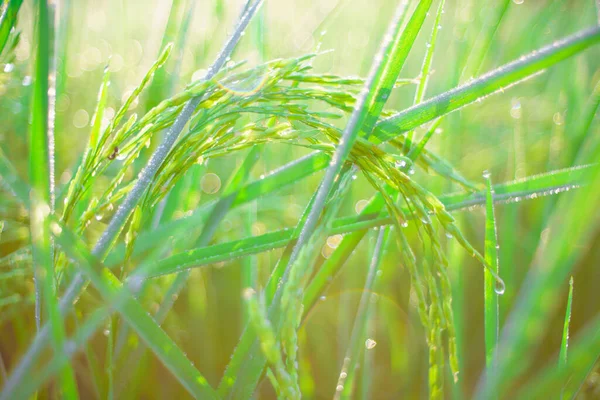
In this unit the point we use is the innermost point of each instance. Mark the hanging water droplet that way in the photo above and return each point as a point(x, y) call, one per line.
point(500, 287)
point(486, 174)
point(370, 344)
point(515, 110)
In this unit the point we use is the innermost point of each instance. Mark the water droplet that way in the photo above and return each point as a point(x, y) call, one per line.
point(404, 224)
point(323, 298)
point(558, 118)
point(343, 375)
point(411, 171)
point(400, 164)
point(518, 1)
point(486, 174)
point(449, 235)
point(9, 67)
point(98, 217)
point(339, 388)
point(515, 110)
point(106, 332)
point(27, 80)
point(354, 177)
point(370, 344)
point(500, 287)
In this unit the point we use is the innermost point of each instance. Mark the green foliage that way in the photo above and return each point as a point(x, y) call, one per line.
point(280, 258)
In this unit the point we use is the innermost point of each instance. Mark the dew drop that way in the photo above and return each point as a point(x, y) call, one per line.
point(449, 235)
point(486, 174)
point(500, 287)
point(370, 344)
point(515, 110)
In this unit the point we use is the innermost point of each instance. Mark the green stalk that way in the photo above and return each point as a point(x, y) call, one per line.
point(425, 69)
point(564, 345)
point(41, 158)
point(491, 291)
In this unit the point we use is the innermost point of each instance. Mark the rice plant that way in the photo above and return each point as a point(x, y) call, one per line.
point(299, 218)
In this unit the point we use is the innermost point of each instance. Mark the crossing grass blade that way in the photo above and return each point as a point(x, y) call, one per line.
point(497, 80)
point(369, 106)
point(426, 69)
point(145, 326)
point(372, 216)
point(107, 239)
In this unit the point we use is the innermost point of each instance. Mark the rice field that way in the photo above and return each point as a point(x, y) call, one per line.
point(258, 199)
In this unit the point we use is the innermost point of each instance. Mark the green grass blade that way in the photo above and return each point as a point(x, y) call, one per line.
point(356, 226)
point(8, 21)
point(564, 345)
point(494, 81)
point(146, 327)
point(544, 280)
point(583, 355)
point(491, 291)
point(483, 42)
point(41, 172)
point(426, 68)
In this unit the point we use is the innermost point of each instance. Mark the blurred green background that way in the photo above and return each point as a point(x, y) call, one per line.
point(532, 128)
